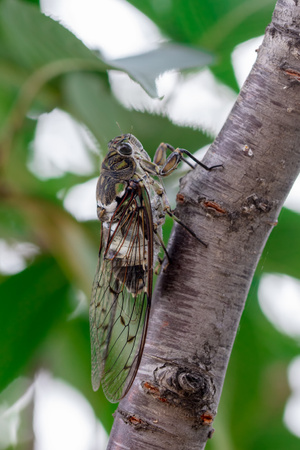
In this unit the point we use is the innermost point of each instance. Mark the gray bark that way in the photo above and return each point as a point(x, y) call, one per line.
point(199, 300)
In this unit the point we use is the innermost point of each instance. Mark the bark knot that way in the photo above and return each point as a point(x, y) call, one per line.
point(191, 388)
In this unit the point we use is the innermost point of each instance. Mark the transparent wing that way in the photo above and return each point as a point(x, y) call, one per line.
point(121, 295)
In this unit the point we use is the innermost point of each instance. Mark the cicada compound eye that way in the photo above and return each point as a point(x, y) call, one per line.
point(125, 150)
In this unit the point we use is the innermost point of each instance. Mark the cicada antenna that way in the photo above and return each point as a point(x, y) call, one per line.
point(119, 127)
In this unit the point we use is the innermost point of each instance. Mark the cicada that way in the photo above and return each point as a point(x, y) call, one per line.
point(131, 206)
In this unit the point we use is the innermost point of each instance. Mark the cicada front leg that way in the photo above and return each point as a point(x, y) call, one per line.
point(168, 164)
point(163, 166)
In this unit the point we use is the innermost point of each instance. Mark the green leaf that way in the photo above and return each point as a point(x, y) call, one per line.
point(19, 178)
point(91, 103)
point(37, 40)
point(146, 67)
point(281, 253)
point(67, 354)
point(34, 50)
point(32, 70)
point(31, 302)
point(13, 224)
point(36, 2)
point(215, 25)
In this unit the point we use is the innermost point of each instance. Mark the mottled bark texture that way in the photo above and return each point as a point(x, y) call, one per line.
point(199, 300)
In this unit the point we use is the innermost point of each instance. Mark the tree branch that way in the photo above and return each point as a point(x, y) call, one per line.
point(199, 300)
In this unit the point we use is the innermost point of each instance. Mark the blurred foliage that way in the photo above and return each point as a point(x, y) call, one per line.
point(44, 66)
point(215, 25)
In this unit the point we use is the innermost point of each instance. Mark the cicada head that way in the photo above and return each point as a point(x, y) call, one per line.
point(117, 168)
point(130, 144)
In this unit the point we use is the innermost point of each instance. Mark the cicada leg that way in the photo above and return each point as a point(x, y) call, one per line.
point(168, 164)
point(163, 166)
point(158, 265)
point(171, 214)
point(160, 261)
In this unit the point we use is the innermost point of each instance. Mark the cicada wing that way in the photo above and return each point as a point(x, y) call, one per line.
point(100, 318)
point(126, 342)
point(121, 297)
